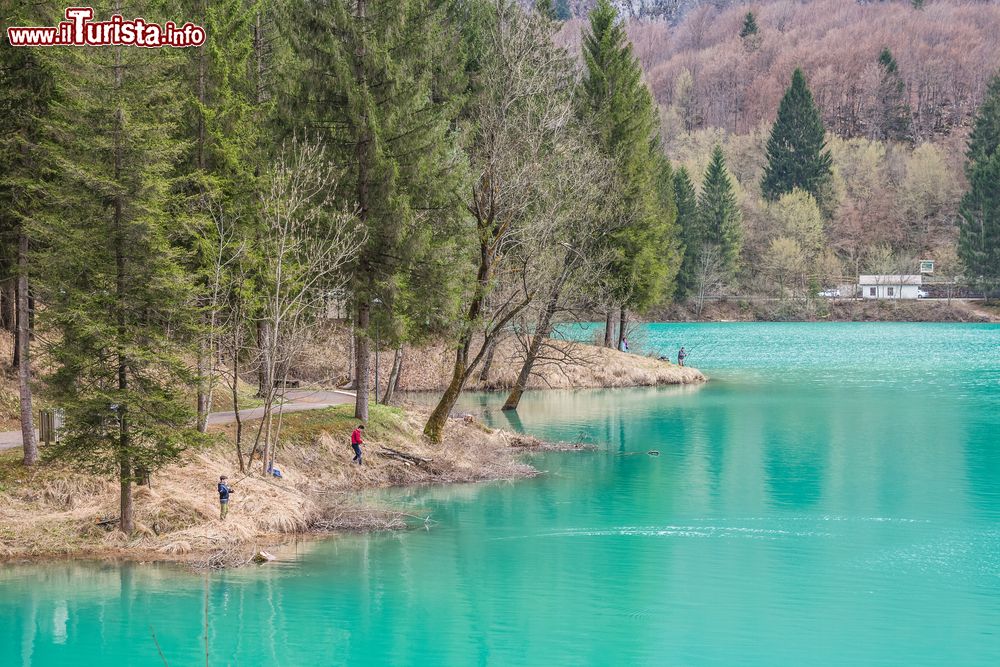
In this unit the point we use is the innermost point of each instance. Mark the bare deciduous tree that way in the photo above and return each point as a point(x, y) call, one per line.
point(523, 107)
point(564, 257)
point(306, 241)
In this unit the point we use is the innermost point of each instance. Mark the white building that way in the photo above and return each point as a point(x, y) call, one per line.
point(889, 287)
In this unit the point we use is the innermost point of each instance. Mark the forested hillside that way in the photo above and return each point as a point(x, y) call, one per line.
point(896, 85)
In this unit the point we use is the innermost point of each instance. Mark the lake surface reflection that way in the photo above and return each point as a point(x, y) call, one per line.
point(832, 497)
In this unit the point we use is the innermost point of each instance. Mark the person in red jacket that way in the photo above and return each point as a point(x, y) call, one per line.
point(356, 442)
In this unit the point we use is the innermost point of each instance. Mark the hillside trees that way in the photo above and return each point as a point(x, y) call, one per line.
point(378, 80)
point(796, 150)
point(979, 240)
point(945, 57)
point(893, 119)
point(720, 215)
point(615, 101)
point(686, 200)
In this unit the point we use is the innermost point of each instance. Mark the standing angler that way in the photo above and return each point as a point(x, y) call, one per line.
point(224, 491)
point(356, 442)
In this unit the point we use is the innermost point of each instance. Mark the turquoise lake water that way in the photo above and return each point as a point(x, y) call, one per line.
point(831, 497)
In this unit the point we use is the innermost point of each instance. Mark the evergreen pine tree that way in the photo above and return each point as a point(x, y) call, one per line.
point(979, 233)
point(563, 12)
point(796, 155)
point(378, 80)
point(749, 26)
point(547, 8)
point(719, 213)
point(26, 92)
point(662, 250)
point(894, 121)
point(984, 140)
point(917, 4)
point(617, 104)
point(691, 231)
point(221, 161)
point(118, 302)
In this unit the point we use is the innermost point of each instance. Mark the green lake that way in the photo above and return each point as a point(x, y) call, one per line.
point(831, 497)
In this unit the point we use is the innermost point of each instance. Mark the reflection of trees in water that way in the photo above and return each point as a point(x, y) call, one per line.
point(796, 449)
point(795, 473)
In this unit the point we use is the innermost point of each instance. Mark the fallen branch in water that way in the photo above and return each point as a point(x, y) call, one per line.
point(367, 518)
point(396, 454)
point(158, 649)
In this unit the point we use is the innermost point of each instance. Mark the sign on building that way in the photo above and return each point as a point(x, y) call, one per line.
point(927, 266)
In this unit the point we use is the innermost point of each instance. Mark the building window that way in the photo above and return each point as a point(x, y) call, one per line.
point(891, 291)
point(872, 291)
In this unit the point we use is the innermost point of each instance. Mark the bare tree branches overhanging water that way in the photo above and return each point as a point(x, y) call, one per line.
point(522, 117)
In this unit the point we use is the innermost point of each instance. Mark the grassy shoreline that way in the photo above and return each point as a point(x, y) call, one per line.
point(52, 512)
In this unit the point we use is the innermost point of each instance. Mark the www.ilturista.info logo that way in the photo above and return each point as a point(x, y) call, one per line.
point(79, 30)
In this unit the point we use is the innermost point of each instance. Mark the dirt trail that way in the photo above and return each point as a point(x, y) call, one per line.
point(298, 400)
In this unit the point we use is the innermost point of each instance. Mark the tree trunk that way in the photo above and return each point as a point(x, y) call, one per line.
point(24, 358)
point(352, 379)
point(125, 506)
point(236, 411)
point(484, 375)
point(609, 328)
point(399, 373)
point(390, 387)
point(15, 357)
point(542, 332)
point(125, 472)
point(434, 429)
point(204, 384)
point(362, 366)
point(264, 380)
point(622, 321)
point(7, 304)
point(204, 348)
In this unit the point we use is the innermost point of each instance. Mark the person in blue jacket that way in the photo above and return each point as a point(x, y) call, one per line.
point(224, 491)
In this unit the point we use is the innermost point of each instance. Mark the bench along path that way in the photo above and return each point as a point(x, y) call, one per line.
point(297, 400)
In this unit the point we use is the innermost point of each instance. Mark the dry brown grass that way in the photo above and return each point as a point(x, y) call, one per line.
point(430, 367)
point(55, 511)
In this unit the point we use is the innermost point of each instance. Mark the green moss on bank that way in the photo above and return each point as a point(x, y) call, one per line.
point(384, 423)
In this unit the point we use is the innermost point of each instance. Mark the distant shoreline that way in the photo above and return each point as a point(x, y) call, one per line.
point(832, 310)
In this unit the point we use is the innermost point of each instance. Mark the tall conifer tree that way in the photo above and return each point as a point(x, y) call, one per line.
point(117, 298)
point(894, 120)
point(692, 235)
point(221, 160)
point(979, 233)
point(796, 151)
point(618, 105)
point(546, 8)
point(749, 28)
point(379, 81)
point(720, 213)
point(26, 92)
